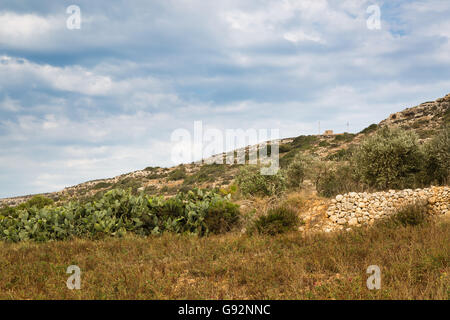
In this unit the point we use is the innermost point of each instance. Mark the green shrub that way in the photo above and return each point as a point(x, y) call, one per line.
point(37, 201)
point(301, 143)
point(336, 179)
point(304, 142)
point(287, 158)
point(128, 183)
point(118, 212)
point(252, 182)
point(437, 155)
point(207, 173)
point(7, 211)
point(221, 216)
point(391, 158)
point(177, 174)
point(410, 215)
point(373, 127)
point(342, 154)
point(347, 137)
point(156, 175)
point(102, 185)
point(283, 148)
point(297, 169)
point(278, 220)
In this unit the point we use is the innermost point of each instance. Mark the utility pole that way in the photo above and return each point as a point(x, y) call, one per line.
point(319, 128)
point(348, 127)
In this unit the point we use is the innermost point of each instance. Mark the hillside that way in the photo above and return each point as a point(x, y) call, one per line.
point(425, 119)
point(308, 232)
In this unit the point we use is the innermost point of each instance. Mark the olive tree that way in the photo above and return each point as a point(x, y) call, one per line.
point(437, 153)
point(298, 169)
point(391, 158)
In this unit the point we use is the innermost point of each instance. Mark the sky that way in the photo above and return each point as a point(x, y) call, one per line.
point(104, 99)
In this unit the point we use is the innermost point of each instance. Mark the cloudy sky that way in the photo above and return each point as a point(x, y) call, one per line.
point(102, 100)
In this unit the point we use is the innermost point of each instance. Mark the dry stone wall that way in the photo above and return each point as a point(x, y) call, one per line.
point(353, 208)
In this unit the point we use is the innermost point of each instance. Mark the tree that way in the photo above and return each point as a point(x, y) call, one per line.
point(391, 158)
point(437, 153)
point(298, 169)
point(252, 182)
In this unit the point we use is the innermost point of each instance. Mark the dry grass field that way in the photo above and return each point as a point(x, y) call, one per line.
point(414, 262)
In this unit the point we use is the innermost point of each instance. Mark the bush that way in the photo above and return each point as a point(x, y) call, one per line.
point(304, 142)
point(287, 158)
point(37, 201)
point(336, 179)
point(118, 212)
point(373, 127)
point(437, 153)
point(102, 185)
point(177, 174)
point(391, 158)
point(342, 154)
point(410, 215)
point(127, 183)
point(207, 173)
point(283, 148)
point(347, 137)
point(297, 170)
point(252, 182)
point(221, 216)
point(278, 220)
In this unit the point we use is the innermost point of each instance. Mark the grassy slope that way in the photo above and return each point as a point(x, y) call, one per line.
point(414, 263)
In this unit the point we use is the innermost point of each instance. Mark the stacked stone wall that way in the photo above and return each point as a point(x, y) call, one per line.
point(364, 208)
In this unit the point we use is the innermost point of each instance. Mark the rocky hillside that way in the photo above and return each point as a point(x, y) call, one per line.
point(425, 119)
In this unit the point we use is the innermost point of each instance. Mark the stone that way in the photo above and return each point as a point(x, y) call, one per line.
point(356, 209)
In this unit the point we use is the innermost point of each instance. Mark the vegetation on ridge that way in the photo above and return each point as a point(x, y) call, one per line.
point(119, 212)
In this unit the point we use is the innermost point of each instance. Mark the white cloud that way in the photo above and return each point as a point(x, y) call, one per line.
point(25, 27)
point(15, 71)
point(11, 105)
point(26, 30)
point(300, 36)
point(74, 78)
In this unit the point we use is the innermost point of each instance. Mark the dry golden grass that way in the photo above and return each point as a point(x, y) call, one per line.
point(414, 263)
